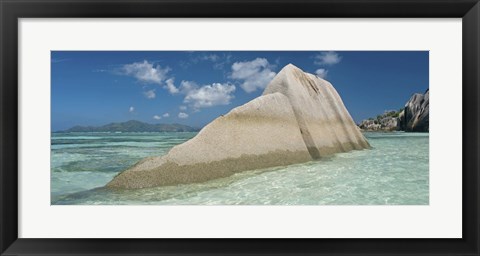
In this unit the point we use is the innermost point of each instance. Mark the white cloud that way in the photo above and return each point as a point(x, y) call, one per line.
point(166, 115)
point(150, 94)
point(146, 72)
point(321, 72)
point(202, 96)
point(131, 109)
point(210, 95)
point(170, 86)
point(184, 88)
point(255, 74)
point(188, 86)
point(211, 57)
point(157, 117)
point(327, 58)
point(182, 115)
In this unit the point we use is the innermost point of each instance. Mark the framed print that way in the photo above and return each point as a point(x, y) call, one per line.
point(225, 127)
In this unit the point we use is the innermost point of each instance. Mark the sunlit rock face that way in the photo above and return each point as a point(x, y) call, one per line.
point(415, 116)
point(324, 122)
point(299, 117)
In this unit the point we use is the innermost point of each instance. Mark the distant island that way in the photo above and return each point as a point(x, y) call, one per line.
point(414, 117)
point(133, 126)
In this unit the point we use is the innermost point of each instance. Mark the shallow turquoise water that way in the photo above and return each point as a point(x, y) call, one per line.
point(394, 171)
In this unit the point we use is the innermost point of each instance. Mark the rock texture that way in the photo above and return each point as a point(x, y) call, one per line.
point(388, 121)
point(412, 118)
point(415, 116)
point(298, 118)
point(325, 124)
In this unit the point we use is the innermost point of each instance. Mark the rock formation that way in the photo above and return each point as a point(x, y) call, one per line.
point(299, 117)
point(388, 121)
point(325, 124)
point(411, 118)
point(415, 116)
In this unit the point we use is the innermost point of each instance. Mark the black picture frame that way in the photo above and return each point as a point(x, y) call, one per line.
point(12, 10)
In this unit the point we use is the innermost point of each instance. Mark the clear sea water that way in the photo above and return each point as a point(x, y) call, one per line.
point(394, 172)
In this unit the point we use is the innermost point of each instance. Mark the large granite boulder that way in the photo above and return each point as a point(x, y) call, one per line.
point(325, 123)
point(298, 118)
point(415, 116)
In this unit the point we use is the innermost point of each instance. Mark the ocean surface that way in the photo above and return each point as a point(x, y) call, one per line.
point(394, 172)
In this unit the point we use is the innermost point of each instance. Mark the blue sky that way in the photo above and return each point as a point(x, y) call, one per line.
point(193, 88)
